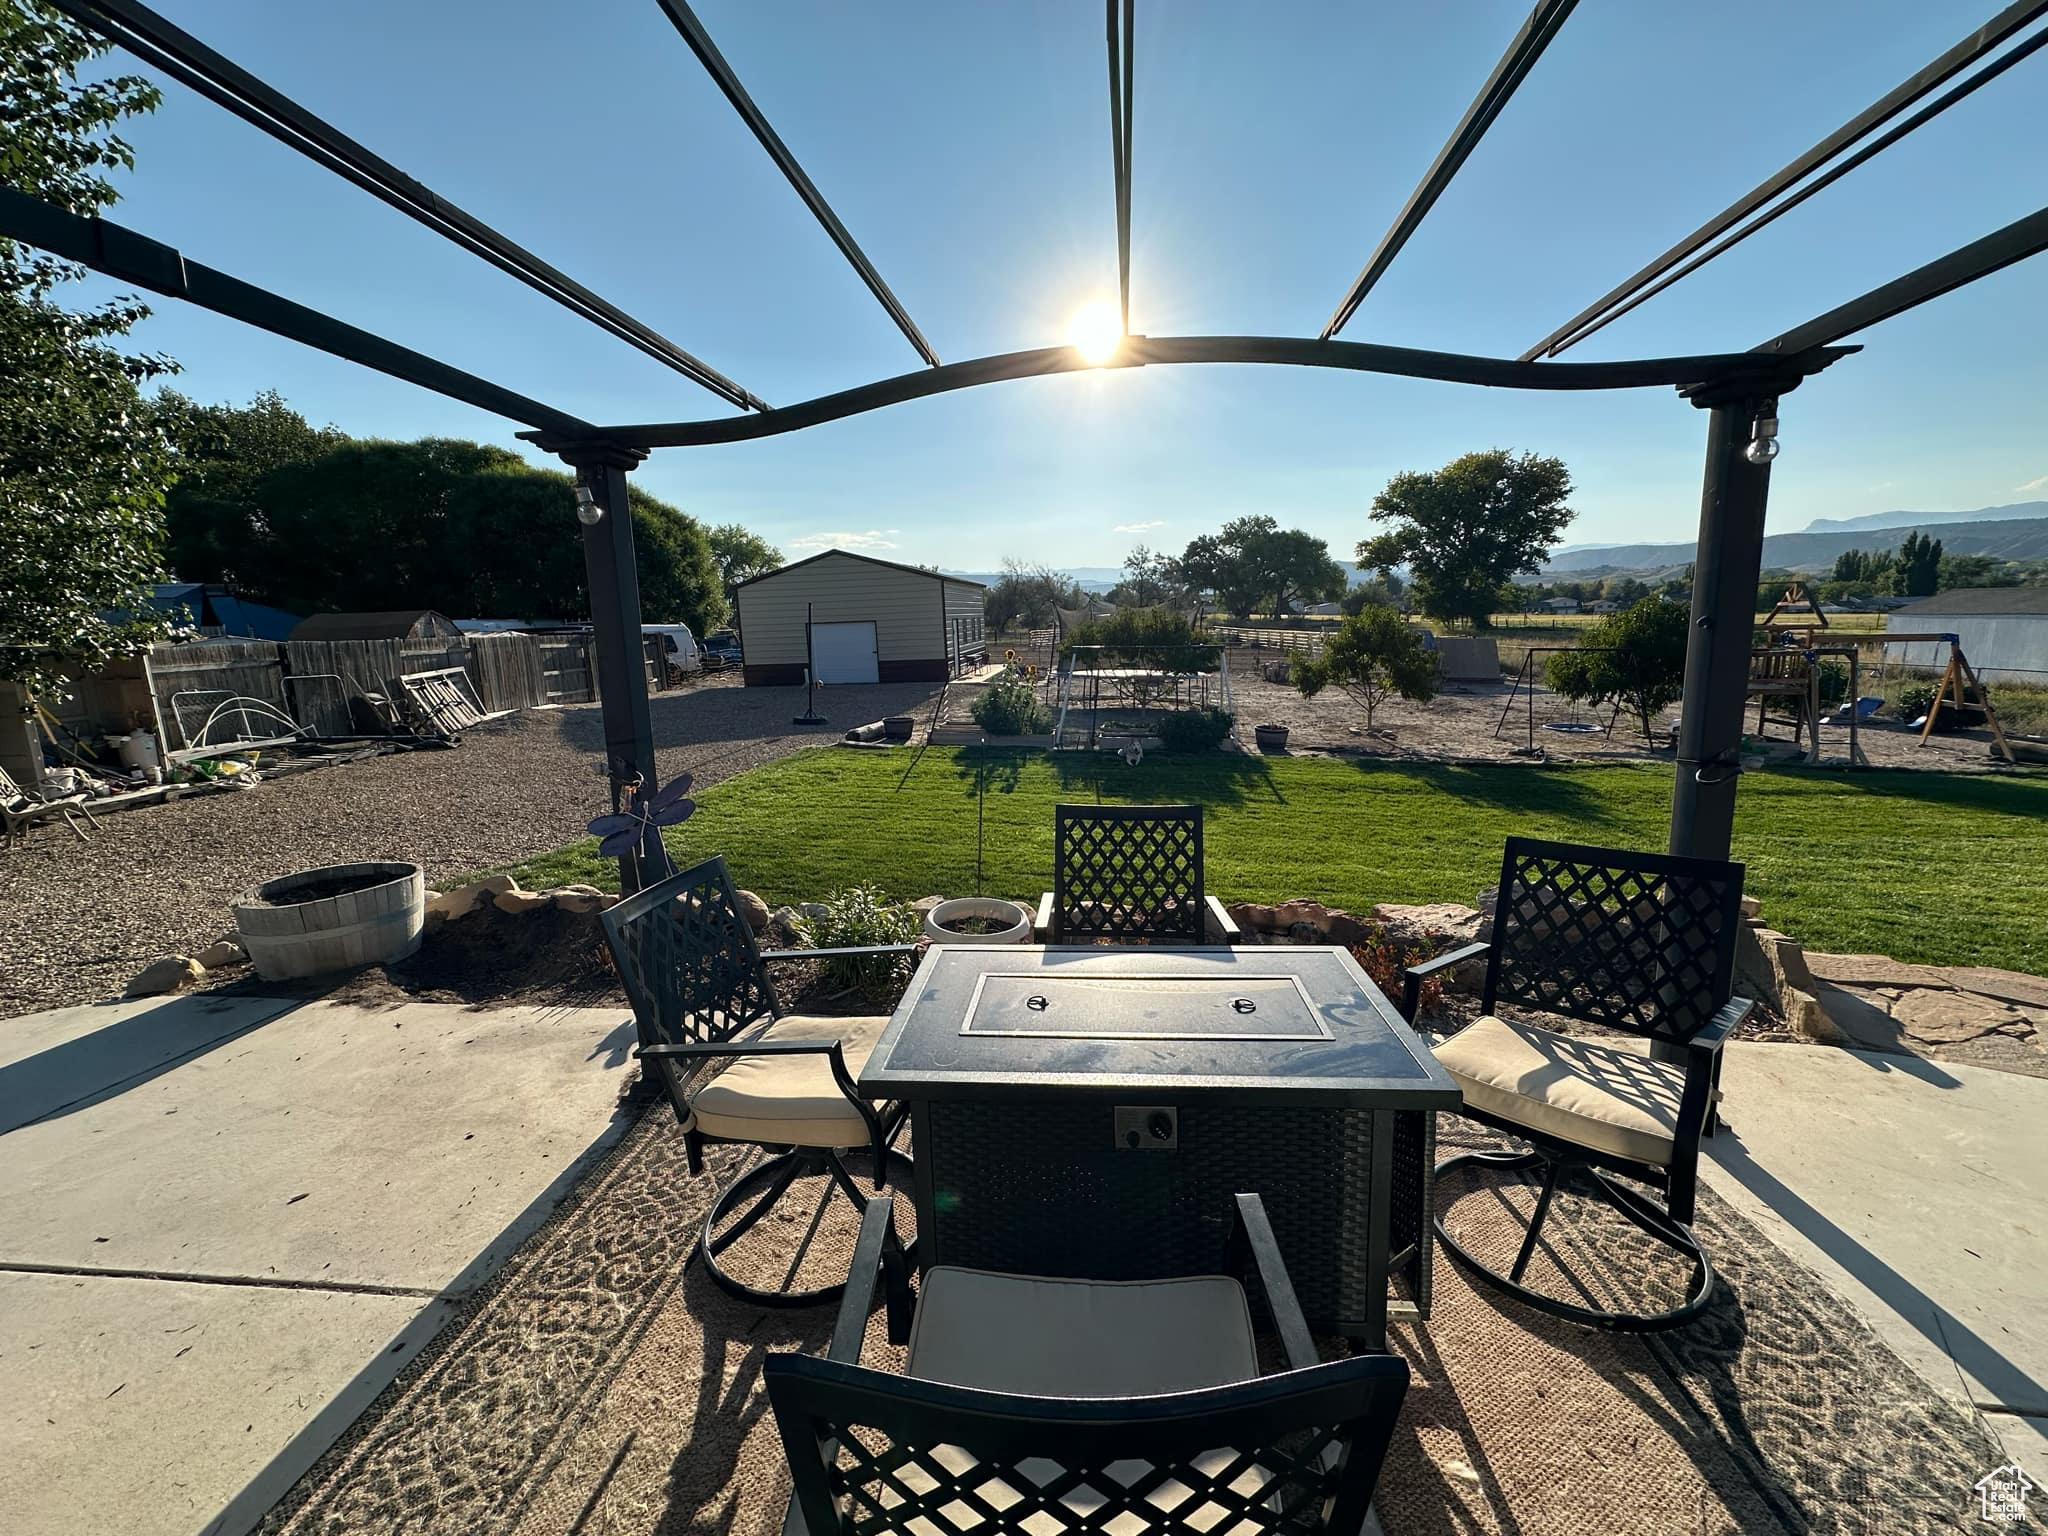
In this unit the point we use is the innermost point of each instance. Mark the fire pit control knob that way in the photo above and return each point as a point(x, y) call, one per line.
point(1243, 1005)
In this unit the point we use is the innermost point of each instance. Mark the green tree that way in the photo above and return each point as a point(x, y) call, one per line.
point(1466, 530)
point(1254, 560)
point(216, 530)
point(1028, 596)
point(1634, 658)
point(1150, 577)
point(741, 556)
point(1975, 571)
point(470, 529)
point(1374, 655)
point(1918, 571)
point(82, 465)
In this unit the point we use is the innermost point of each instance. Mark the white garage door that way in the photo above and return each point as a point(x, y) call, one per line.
point(845, 653)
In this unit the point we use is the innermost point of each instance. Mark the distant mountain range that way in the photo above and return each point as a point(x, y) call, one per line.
point(2017, 532)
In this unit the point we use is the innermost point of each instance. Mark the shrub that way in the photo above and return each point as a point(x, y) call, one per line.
point(1385, 958)
point(1834, 679)
point(1915, 701)
point(1634, 658)
point(1010, 706)
point(856, 917)
point(1194, 730)
point(1373, 654)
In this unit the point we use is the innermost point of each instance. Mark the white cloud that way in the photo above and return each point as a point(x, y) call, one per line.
point(2039, 483)
point(874, 538)
point(1157, 522)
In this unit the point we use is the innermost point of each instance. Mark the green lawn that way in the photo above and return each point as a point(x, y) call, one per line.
point(1942, 868)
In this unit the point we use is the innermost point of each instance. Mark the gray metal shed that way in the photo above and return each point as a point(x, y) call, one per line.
point(870, 621)
point(2003, 630)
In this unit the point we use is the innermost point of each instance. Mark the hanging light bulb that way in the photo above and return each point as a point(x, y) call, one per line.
point(1763, 436)
point(588, 512)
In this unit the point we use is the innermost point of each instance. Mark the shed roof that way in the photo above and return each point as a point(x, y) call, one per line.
point(894, 565)
point(2023, 600)
point(373, 626)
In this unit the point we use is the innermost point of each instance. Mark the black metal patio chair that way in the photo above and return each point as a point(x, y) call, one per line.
point(1073, 1408)
point(1131, 873)
point(737, 1068)
point(1642, 943)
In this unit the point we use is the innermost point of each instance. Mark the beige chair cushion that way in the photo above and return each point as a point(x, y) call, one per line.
point(1080, 1338)
point(790, 1100)
point(1593, 1096)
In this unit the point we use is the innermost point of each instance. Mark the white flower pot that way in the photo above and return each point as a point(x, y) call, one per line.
point(1017, 921)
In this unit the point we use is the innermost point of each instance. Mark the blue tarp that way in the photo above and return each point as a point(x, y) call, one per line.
point(216, 608)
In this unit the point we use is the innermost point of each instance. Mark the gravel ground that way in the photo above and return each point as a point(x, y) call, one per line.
point(81, 918)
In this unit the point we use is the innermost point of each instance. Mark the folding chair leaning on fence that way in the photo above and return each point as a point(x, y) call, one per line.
point(1131, 874)
point(737, 1068)
point(1069, 1407)
point(1642, 943)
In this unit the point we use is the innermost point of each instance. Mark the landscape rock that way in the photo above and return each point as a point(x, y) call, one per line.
point(1751, 907)
point(582, 898)
point(1872, 971)
point(1806, 1016)
point(753, 909)
point(782, 929)
point(1300, 910)
point(172, 973)
point(516, 900)
point(923, 905)
point(1252, 916)
point(463, 899)
point(220, 955)
point(1944, 1017)
point(1770, 966)
point(814, 911)
point(1989, 981)
point(1486, 901)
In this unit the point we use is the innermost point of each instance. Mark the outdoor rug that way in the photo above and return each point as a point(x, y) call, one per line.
point(603, 1387)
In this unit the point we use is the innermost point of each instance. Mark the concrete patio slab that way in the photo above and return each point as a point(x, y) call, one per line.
point(367, 1146)
point(1915, 1189)
point(138, 1405)
point(68, 1057)
point(301, 1192)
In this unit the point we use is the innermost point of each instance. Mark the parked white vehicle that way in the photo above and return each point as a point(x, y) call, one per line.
point(679, 647)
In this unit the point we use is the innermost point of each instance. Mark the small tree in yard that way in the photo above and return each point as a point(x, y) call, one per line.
point(83, 464)
point(1373, 655)
point(1635, 658)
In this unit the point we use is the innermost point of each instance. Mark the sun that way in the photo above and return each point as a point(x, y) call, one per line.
point(1095, 332)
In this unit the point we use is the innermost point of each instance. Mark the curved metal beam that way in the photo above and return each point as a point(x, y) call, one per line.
point(1781, 373)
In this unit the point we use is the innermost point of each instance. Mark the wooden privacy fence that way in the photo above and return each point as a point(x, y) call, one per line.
point(191, 681)
point(507, 671)
point(564, 668)
point(327, 674)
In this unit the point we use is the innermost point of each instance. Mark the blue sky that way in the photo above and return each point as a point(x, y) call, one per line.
point(966, 146)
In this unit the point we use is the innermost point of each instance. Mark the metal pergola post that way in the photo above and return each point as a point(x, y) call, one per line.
point(1726, 568)
point(620, 665)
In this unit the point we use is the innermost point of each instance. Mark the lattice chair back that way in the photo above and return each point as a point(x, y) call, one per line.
point(1640, 942)
point(1128, 872)
point(883, 1455)
point(690, 965)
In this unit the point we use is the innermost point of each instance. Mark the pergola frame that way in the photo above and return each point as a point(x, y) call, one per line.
point(1740, 390)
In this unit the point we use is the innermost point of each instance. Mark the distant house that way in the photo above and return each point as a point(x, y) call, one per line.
point(1602, 606)
point(1559, 605)
point(1324, 610)
point(2003, 631)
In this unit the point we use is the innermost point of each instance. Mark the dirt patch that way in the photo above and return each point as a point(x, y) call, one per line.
point(326, 888)
point(544, 958)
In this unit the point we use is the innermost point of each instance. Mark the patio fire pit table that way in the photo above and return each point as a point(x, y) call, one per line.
point(1092, 1112)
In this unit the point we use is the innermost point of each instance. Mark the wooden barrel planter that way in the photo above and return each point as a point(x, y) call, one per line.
point(335, 918)
point(1270, 738)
